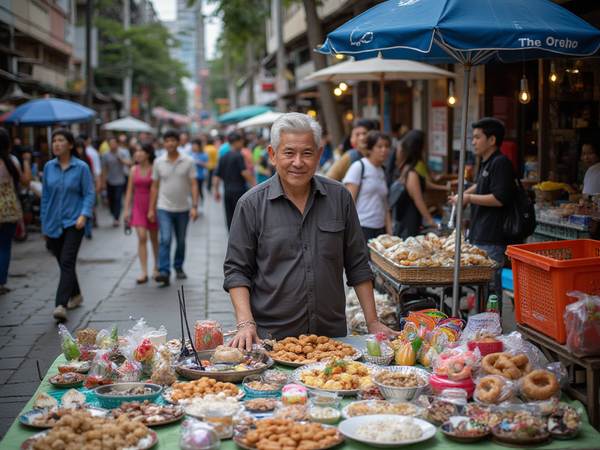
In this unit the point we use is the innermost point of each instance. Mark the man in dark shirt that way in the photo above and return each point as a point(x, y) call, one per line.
point(291, 239)
point(235, 175)
point(494, 189)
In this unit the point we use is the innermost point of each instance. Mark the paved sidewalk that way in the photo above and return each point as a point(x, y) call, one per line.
point(107, 269)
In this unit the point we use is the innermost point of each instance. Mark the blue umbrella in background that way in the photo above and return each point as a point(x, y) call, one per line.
point(47, 112)
point(469, 32)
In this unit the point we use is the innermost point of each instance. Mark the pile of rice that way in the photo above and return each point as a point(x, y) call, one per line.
point(390, 430)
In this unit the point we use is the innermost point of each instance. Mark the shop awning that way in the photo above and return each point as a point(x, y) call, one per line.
point(243, 113)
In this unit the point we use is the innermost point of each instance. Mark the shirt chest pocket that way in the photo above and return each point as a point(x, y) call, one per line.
point(282, 242)
point(331, 238)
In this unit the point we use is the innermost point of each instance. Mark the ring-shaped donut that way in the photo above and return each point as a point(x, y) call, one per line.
point(540, 385)
point(458, 369)
point(520, 360)
point(489, 389)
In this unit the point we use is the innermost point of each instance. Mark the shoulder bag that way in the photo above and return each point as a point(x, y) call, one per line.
point(520, 220)
point(10, 206)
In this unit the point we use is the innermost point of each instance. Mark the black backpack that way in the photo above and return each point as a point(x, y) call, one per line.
point(520, 220)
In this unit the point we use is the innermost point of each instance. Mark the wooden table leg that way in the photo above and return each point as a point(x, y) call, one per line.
point(593, 403)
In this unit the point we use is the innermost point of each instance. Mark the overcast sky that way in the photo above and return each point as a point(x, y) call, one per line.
point(166, 10)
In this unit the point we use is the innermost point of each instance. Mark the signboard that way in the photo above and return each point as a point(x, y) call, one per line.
point(438, 129)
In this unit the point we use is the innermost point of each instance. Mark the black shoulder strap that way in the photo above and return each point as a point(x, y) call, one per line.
point(362, 174)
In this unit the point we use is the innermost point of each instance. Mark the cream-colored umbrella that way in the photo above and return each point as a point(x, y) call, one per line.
point(381, 70)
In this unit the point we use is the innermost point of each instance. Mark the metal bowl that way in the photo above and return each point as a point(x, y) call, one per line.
point(114, 401)
point(402, 393)
point(230, 376)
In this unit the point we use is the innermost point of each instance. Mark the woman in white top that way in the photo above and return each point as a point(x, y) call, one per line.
point(366, 182)
point(590, 155)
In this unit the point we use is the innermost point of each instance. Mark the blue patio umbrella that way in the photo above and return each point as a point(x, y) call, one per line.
point(469, 32)
point(49, 111)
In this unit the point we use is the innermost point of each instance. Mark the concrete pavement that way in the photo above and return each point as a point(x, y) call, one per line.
point(107, 268)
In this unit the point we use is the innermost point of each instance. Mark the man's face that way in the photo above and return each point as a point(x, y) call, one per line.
point(296, 159)
point(112, 143)
point(122, 140)
point(358, 138)
point(237, 145)
point(183, 138)
point(588, 156)
point(483, 145)
point(171, 144)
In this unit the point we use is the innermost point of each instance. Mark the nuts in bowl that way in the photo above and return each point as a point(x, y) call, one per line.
point(401, 382)
point(256, 386)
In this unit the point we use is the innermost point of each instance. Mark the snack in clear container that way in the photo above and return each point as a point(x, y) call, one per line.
point(164, 374)
point(208, 334)
point(564, 422)
point(297, 413)
point(465, 429)
point(439, 411)
point(222, 423)
point(494, 389)
point(456, 363)
point(255, 386)
point(68, 345)
point(324, 399)
point(103, 370)
point(107, 339)
point(323, 414)
point(276, 376)
point(371, 394)
point(129, 372)
point(197, 435)
point(294, 394)
point(481, 413)
point(519, 425)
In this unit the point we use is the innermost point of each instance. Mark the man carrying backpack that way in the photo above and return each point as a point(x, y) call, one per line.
point(495, 188)
point(358, 140)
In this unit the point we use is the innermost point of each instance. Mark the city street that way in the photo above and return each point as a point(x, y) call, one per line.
point(107, 269)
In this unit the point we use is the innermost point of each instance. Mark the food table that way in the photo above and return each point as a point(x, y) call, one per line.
point(168, 435)
point(555, 352)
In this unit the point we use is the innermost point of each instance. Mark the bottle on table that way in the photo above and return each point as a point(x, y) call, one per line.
point(492, 304)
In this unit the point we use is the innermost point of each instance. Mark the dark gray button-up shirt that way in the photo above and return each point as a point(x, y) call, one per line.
point(292, 263)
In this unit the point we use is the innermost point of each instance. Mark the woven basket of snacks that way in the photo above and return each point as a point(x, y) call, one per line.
point(429, 259)
point(552, 196)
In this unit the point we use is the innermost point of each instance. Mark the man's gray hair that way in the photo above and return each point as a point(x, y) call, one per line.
point(294, 122)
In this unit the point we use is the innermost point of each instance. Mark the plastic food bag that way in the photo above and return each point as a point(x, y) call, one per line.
point(129, 372)
point(68, 345)
point(515, 344)
point(197, 435)
point(208, 335)
point(163, 374)
point(456, 363)
point(378, 345)
point(507, 394)
point(103, 370)
point(138, 342)
point(488, 322)
point(107, 339)
point(560, 372)
point(582, 320)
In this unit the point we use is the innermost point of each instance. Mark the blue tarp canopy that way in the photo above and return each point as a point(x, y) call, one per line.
point(243, 113)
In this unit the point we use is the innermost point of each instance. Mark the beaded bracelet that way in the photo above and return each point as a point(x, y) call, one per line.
point(243, 324)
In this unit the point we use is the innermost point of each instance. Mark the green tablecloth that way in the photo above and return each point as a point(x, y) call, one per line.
point(168, 435)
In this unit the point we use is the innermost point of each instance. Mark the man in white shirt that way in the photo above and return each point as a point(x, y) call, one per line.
point(185, 146)
point(174, 178)
point(590, 155)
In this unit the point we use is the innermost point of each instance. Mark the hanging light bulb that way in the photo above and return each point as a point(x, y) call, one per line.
point(524, 94)
point(338, 56)
point(451, 98)
point(337, 91)
point(312, 113)
point(343, 86)
point(553, 74)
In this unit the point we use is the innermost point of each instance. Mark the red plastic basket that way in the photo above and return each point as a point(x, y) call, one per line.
point(543, 275)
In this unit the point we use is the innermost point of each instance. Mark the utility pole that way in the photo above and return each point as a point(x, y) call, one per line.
point(128, 76)
point(89, 92)
point(278, 17)
point(201, 75)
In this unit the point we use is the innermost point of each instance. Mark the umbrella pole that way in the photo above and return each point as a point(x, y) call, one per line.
point(461, 188)
point(49, 140)
point(381, 102)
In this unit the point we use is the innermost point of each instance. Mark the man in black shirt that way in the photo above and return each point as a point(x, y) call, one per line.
point(235, 175)
point(494, 189)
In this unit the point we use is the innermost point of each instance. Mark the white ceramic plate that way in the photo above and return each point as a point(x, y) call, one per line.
point(348, 428)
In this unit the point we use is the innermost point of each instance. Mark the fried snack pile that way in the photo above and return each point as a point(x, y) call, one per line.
point(310, 349)
point(506, 365)
point(81, 431)
point(202, 387)
point(278, 434)
point(429, 251)
point(339, 376)
point(148, 413)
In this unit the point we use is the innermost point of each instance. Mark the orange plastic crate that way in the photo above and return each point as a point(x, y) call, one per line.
point(544, 273)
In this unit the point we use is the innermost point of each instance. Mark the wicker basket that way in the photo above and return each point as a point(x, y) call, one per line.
point(547, 196)
point(378, 360)
point(430, 274)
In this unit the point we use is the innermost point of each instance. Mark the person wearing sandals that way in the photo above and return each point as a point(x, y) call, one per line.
point(10, 207)
point(67, 202)
point(138, 189)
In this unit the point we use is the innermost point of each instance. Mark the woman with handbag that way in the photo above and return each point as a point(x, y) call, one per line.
point(365, 180)
point(10, 205)
point(67, 202)
point(410, 208)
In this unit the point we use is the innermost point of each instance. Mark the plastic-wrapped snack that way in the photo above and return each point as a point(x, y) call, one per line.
point(107, 339)
point(129, 372)
point(197, 435)
point(68, 345)
point(103, 370)
point(144, 352)
point(163, 374)
point(208, 334)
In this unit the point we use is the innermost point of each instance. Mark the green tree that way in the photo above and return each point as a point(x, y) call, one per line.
point(149, 58)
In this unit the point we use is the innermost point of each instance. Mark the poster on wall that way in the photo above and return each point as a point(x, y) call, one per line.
point(438, 129)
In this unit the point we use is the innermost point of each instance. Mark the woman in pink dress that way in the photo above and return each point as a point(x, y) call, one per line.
point(138, 189)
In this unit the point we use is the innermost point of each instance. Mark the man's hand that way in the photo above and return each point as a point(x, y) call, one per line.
point(466, 200)
point(80, 222)
point(151, 216)
point(193, 214)
point(217, 195)
point(376, 327)
point(244, 338)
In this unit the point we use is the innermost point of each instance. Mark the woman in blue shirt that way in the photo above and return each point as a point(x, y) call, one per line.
point(200, 157)
point(67, 201)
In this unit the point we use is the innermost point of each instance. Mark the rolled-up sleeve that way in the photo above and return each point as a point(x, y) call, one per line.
point(240, 259)
point(356, 261)
point(502, 180)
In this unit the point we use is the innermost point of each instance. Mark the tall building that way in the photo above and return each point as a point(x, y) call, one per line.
point(183, 28)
